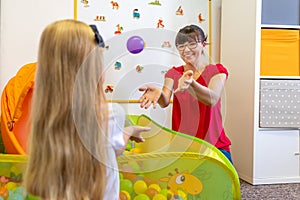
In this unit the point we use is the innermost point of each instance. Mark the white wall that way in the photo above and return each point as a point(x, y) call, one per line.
point(22, 22)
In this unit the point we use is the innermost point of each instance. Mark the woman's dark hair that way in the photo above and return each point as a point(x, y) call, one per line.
point(190, 33)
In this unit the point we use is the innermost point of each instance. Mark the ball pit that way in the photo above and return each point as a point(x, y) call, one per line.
point(160, 169)
point(160, 175)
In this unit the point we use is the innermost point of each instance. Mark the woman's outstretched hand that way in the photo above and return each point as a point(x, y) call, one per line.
point(185, 81)
point(150, 96)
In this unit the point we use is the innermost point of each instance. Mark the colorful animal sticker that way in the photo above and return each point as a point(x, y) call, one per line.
point(109, 88)
point(166, 44)
point(136, 14)
point(179, 11)
point(160, 24)
point(115, 5)
point(119, 29)
point(155, 2)
point(184, 181)
point(118, 65)
point(200, 18)
point(85, 3)
point(100, 18)
point(139, 68)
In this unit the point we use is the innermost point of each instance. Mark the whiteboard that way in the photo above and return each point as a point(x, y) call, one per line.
point(119, 20)
point(157, 23)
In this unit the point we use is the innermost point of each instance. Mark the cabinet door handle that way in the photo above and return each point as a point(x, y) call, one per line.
point(297, 154)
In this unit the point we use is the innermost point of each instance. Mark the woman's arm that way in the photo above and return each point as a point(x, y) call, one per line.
point(154, 95)
point(208, 95)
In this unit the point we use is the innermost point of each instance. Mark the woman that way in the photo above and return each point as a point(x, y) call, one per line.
point(197, 88)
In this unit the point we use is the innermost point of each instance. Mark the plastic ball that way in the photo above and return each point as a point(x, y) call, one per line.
point(141, 197)
point(167, 193)
point(135, 44)
point(140, 187)
point(155, 186)
point(121, 177)
point(164, 192)
point(181, 194)
point(150, 181)
point(124, 195)
point(126, 185)
point(159, 197)
point(151, 192)
point(135, 150)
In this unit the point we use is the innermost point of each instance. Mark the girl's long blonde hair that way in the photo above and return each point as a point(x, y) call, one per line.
point(69, 116)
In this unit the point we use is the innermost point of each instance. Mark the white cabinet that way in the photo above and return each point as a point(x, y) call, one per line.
point(277, 156)
point(261, 155)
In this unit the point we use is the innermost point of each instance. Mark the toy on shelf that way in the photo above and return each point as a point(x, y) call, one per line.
point(172, 165)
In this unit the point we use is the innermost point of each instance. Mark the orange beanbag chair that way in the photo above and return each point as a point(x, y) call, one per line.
point(15, 109)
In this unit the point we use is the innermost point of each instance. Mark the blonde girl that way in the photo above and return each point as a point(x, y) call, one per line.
point(71, 151)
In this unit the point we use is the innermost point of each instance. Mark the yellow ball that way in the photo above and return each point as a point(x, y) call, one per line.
point(155, 186)
point(159, 197)
point(182, 194)
point(135, 150)
point(140, 187)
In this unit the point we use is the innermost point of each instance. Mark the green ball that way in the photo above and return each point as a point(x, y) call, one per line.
point(164, 192)
point(121, 176)
point(126, 185)
point(142, 197)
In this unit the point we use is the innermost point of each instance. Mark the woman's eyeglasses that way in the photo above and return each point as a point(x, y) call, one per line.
point(98, 37)
point(190, 45)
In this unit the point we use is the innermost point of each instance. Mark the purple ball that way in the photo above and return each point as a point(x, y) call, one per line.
point(135, 44)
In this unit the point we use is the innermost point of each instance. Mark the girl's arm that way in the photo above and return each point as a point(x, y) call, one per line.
point(132, 133)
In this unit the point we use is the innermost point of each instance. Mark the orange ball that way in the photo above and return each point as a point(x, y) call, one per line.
point(151, 192)
point(124, 195)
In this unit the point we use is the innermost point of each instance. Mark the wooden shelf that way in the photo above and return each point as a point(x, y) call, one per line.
point(281, 77)
point(280, 26)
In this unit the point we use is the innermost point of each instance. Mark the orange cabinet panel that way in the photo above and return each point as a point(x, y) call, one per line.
point(279, 52)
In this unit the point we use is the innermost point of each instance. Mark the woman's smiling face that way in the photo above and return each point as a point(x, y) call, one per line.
point(190, 51)
point(190, 42)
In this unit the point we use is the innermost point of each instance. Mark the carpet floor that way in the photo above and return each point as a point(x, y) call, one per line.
point(289, 191)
